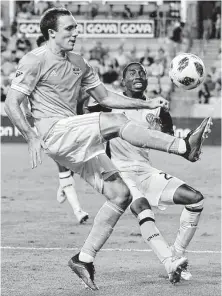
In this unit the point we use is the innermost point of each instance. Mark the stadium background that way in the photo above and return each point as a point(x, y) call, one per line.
point(112, 33)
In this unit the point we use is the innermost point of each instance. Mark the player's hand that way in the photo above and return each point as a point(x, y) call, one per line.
point(158, 102)
point(35, 148)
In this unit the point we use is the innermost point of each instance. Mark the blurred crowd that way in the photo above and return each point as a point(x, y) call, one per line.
point(109, 63)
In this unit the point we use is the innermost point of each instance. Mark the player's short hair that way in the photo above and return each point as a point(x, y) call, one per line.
point(130, 64)
point(49, 20)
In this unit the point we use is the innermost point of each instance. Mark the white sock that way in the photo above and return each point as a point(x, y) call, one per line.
point(85, 257)
point(182, 148)
point(152, 236)
point(68, 186)
point(188, 226)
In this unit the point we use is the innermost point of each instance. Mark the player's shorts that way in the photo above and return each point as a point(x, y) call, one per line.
point(76, 143)
point(96, 170)
point(145, 181)
point(75, 139)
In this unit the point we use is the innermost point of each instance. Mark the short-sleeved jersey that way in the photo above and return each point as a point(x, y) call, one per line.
point(124, 151)
point(53, 84)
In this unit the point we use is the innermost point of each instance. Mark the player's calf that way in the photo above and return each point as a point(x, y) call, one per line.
point(188, 225)
point(151, 235)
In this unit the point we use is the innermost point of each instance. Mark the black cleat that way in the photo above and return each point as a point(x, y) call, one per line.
point(85, 271)
point(194, 140)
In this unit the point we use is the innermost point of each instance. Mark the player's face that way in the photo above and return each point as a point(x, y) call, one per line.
point(65, 36)
point(135, 80)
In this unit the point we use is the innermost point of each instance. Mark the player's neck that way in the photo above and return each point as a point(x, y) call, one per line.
point(139, 96)
point(56, 50)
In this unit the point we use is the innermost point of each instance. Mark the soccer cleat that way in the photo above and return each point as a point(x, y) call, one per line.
point(185, 274)
point(174, 266)
point(85, 271)
point(81, 216)
point(61, 196)
point(195, 138)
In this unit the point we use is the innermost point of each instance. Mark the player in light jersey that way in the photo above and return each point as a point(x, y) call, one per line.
point(149, 186)
point(52, 77)
point(66, 188)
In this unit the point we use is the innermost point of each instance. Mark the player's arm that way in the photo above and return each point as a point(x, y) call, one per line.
point(23, 84)
point(14, 111)
point(114, 100)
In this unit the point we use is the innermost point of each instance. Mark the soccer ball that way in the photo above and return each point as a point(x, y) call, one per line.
point(187, 71)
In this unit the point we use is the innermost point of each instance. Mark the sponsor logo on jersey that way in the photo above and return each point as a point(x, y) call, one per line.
point(18, 73)
point(150, 117)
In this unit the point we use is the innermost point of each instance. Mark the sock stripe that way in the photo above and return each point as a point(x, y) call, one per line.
point(194, 210)
point(66, 177)
point(146, 220)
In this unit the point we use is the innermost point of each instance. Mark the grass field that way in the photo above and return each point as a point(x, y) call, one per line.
point(39, 236)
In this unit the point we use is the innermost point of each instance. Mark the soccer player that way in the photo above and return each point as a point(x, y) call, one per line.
point(52, 77)
point(150, 186)
point(66, 188)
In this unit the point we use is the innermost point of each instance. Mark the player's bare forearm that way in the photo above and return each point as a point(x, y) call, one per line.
point(114, 100)
point(15, 114)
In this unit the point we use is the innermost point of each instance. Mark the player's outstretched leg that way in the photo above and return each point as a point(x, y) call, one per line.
point(114, 125)
point(174, 265)
point(193, 201)
point(119, 198)
point(67, 191)
point(194, 140)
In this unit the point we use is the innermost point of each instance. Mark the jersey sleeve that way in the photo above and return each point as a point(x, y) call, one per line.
point(27, 74)
point(90, 78)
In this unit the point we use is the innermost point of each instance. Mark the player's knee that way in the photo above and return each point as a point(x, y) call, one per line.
point(198, 198)
point(123, 197)
point(197, 202)
point(139, 205)
point(111, 124)
point(117, 191)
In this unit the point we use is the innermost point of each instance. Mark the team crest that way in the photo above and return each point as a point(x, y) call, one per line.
point(150, 117)
point(76, 70)
point(18, 73)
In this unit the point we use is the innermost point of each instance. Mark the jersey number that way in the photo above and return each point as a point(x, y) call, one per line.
point(166, 176)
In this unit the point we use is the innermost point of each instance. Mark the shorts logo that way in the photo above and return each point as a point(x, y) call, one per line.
point(76, 70)
point(18, 73)
point(166, 176)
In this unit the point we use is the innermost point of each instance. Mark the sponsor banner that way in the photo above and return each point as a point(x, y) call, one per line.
point(182, 126)
point(108, 29)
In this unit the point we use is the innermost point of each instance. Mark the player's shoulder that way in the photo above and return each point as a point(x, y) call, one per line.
point(36, 55)
point(77, 59)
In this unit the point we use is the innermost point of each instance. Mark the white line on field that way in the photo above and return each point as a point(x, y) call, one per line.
point(104, 250)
